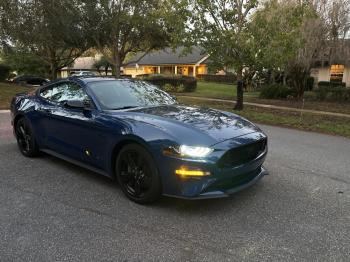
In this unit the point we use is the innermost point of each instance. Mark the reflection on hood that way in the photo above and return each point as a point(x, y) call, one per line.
point(214, 123)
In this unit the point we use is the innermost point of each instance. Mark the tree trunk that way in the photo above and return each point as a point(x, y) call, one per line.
point(53, 71)
point(284, 80)
point(117, 65)
point(272, 79)
point(239, 103)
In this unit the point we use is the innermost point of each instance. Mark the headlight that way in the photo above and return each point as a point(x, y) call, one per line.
point(195, 151)
point(189, 151)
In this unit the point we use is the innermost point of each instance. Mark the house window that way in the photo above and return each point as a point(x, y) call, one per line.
point(150, 70)
point(182, 70)
point(201, 70)
point(167, 70)
point(337, 73)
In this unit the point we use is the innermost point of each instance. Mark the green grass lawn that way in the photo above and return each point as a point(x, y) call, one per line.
point(7, 91)
point(311, 122)
point(225, 91)
point(216, 90)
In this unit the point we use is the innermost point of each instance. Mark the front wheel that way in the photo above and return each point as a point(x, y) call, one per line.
point(137, 174)
point(25, 138)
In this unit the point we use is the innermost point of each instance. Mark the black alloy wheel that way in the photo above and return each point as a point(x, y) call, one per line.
point(137, 174)
point(25, 138)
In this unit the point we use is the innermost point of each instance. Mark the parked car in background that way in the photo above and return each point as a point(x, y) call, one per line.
point(82, 73)
point(30, 80)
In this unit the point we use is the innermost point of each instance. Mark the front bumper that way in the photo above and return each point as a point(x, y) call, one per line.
point(221, 183)
point(225, 192)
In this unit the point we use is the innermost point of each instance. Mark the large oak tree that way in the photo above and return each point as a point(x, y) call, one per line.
point(119, 28)
point(47, 29)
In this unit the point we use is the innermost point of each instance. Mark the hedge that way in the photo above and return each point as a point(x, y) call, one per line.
point(331, 84)
point(337, 93)
point(228, 79)
point(276, 91)
point(172, 83)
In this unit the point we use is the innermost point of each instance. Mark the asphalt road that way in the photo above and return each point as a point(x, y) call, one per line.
point(53, 211)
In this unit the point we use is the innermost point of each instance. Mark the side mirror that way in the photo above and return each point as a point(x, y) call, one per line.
point(78, 104)
point(74, 104)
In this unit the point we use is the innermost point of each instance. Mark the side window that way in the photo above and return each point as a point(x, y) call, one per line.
point(64, 92)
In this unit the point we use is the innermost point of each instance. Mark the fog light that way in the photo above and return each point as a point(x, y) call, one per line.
point(183, 172)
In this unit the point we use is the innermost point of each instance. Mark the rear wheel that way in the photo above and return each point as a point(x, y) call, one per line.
point(25, 138)
point(137, 174)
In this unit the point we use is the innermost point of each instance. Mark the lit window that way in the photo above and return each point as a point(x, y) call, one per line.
point(337, 73)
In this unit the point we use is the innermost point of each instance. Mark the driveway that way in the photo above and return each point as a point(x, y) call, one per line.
point(53, 211)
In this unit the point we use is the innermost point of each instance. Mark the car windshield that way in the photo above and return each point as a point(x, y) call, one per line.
point(119, 94)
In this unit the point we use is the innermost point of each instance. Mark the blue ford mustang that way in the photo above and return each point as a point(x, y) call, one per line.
point(140, 135)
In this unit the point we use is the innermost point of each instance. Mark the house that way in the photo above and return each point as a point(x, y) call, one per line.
point(82, 64)
point(333, 64)
point(168, 61)
point(332, 73)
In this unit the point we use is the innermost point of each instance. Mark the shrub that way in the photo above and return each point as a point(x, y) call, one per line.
point(337, 93)
point(4, 72)
point(171, 88)
point(330, 84)
point(276, 91)
point(179, 83)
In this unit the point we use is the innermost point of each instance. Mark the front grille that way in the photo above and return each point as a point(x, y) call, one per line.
point(234, 181)
point(243, 154)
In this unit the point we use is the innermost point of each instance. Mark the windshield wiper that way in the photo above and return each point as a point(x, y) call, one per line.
point(124, 107)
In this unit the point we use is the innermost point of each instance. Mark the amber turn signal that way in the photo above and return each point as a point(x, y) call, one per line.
point(189, 173)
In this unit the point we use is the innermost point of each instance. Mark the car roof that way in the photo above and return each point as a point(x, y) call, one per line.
point(90, 79)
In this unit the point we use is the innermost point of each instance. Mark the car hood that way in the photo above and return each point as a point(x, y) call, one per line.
point(192, 124)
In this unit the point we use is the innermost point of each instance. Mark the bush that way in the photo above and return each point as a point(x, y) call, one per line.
point(171, 88)
point(338, 93)
point(178, 83)
point(330, 84)
point(4, 72)
point(276, 91)
point(228, 79)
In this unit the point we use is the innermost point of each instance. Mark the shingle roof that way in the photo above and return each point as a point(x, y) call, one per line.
point(83, 63)
point(168, 57)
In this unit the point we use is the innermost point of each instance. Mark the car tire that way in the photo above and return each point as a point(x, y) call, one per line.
point(137, 174)
point(25, 138)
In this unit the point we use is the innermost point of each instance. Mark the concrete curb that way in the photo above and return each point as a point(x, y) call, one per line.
point(271, 106)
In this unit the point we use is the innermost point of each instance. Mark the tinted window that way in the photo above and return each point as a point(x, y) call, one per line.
point(118, 94)
point(64, 92)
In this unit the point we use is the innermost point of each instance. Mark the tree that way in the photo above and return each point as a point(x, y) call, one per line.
point(23, 62)
point(119, 28)
point(221, 28)
point(275, 31)
point(288, 37)
point(49, 30)
point(337, 20)
point(102, 63)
